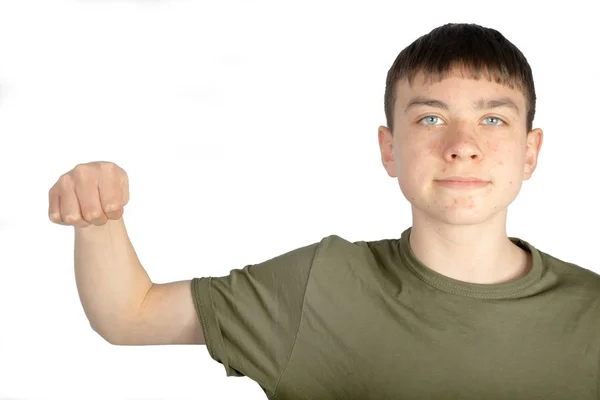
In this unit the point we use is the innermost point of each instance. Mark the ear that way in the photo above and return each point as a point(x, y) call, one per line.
point(386, 146)
point(534, 143)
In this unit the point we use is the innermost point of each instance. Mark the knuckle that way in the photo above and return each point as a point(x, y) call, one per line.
point(55, 217)
point(71, 219)
point(111, 206)
point(81, 171)
point(66, 188)
point(80, 167)
point(113, 171)
point(65, 180)
point(109, 167)
point(92, 215)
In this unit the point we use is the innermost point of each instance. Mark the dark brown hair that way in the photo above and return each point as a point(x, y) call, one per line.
point(473, 48)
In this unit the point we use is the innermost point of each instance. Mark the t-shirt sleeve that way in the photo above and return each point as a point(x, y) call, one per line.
point(251, 316)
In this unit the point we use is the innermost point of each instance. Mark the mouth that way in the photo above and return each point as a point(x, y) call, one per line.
point(463, 179)
point(462, 183)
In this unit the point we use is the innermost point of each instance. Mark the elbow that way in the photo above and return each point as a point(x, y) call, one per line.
point(106, 335)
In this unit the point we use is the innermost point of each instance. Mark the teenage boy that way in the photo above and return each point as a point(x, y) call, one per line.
point(452, 309)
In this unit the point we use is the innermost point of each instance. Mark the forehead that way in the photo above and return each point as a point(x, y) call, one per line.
point(457, 86)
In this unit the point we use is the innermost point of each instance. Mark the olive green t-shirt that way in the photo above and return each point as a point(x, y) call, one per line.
point(367, 320)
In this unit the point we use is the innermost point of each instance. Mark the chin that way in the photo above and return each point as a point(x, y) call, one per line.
point(471, 216)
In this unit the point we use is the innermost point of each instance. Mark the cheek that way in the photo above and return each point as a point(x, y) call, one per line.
point(432, 149)
point(412, 171)
point(505, 156)
point(495, 152)
point(507, 165)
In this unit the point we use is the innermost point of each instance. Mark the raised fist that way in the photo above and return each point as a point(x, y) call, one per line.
point(90, 193)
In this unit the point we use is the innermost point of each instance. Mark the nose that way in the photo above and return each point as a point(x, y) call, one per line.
point(461, 144)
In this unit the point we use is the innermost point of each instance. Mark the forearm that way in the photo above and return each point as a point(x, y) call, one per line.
point(110, 278)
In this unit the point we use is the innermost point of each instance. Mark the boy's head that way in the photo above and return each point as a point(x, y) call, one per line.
point(482, 53)
point(460, 101)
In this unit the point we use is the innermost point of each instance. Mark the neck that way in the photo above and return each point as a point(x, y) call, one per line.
point(480, 253)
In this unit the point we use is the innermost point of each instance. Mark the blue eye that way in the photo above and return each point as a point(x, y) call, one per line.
point(497, 120)
point(433, 120)
point(430, 120)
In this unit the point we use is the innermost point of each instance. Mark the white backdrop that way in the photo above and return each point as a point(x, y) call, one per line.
point(242, 124)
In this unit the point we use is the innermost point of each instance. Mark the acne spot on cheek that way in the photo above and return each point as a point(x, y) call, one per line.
point(444, 169)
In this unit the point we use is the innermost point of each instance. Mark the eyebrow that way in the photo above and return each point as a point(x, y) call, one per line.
point(481, 104)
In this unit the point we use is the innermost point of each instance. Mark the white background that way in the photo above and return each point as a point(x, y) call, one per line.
point(247, 128)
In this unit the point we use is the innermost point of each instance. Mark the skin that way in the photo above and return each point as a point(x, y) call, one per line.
point(461, 233)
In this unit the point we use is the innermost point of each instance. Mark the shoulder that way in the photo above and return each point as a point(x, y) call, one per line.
point(582, 280)
point(334, 242)
point(336, 250)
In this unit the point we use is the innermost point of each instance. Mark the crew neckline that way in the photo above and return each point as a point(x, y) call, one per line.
point(468, 289)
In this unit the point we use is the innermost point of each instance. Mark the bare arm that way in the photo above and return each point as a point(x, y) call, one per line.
point(118, 297)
